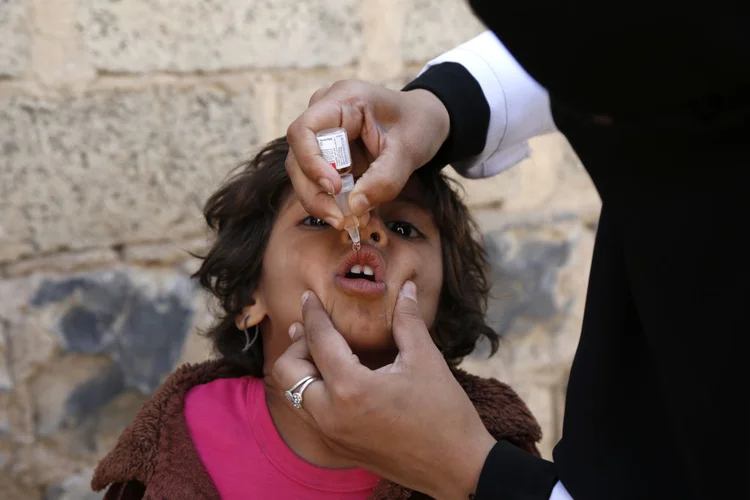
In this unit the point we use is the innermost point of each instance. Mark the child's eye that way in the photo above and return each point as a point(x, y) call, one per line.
point(314, 222)
point(404, 229)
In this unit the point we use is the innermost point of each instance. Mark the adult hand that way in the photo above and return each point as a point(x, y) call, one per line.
point(401, 130)
point(409, 421)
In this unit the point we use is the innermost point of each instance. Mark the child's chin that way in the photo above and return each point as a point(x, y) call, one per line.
point(374, 357)
point(368, 337)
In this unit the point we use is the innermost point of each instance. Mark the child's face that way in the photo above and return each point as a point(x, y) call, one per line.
point(357, 289)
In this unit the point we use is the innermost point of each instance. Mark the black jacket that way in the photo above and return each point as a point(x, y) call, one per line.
point(657, 401)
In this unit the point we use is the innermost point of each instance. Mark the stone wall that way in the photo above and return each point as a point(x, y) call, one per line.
point(116, 120)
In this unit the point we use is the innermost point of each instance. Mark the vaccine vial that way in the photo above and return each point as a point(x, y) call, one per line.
point(334, 145)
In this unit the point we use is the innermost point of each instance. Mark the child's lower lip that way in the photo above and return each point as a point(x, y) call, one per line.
point(361, 287)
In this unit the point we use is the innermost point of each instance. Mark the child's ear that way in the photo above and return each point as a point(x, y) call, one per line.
point(252, 314)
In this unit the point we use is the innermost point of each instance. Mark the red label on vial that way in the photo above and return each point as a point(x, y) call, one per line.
point(333, 164)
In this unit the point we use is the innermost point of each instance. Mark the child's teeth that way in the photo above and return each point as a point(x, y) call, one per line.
point(368, 271)
point(356, 269)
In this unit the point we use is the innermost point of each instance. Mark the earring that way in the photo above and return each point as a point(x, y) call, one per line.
point(249, 343)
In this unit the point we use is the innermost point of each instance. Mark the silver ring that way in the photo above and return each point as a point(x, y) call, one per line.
point(296, 397)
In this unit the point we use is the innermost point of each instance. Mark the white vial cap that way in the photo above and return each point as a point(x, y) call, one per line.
point(342, 198)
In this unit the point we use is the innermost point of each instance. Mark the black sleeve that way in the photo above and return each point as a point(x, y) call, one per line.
point(467, 107)
point(510, 473)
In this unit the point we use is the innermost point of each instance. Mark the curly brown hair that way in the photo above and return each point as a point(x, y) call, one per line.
point(243, 211)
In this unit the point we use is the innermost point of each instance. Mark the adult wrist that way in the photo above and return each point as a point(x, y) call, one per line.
point(467, 107)
point(460, 479)
point(510, 472)
point(435, 111)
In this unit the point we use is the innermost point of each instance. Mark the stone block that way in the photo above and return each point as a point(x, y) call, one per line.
point(5, 399)
point(15, 294)
point(11, 251)
point(57, 55)
point(64, 263)
point(540, 401)
point(17, 415)
point(526, 261)
point(6, 382)
point(554, 179)
point(31, 346)
point(175, 35)
point(6, 452)
point(46, 464)
point(14, 33)
point(113, 166)
point(164, 253)
point(139, 318)
point(71, 388)
point(433, 27)
point(113, 419)
point(294, 95)
point(539, 270)
point(551, 179)
point(151, 339)
point(84, 311)
point(382, 33)
point(76, 487)
point(12, 489)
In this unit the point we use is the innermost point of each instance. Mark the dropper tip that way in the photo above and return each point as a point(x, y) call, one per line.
point(354, 235)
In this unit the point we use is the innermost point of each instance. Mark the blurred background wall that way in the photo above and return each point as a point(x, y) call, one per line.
point(117, 118)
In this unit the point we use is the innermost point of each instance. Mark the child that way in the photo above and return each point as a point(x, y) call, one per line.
point(218, 429)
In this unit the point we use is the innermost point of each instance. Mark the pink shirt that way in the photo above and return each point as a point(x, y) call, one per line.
point(232, 429)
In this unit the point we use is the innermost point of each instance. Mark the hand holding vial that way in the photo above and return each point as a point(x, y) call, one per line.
point(334, 145)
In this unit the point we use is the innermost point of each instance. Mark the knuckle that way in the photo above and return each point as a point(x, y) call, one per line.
point(350, 89)
point(279, 368)
point(310, 209)
point(295, 130)
point(344, 84)
point(346, 392)
point(317, 95)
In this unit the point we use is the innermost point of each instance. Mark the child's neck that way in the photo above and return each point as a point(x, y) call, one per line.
point(304, 440)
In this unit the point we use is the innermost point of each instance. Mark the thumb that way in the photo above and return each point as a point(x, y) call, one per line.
point(409, 330)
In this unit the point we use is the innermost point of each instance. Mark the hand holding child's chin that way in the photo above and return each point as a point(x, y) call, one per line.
point(409, 421)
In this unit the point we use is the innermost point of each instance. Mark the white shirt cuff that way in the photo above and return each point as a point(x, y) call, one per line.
point(560, 493)
point(519, 106)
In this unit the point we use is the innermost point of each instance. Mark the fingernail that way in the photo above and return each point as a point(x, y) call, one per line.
point(326, 185)
point(292, 330)
point(409, 290)
point(305, 296)
point(359, 203)
point(332, 221)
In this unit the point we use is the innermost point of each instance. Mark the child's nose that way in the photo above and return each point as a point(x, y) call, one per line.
point(372, 233)
point(375, 232)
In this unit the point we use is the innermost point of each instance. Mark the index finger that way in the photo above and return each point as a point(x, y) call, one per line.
point(315, 201)
point(332, 355)
point(303, 142)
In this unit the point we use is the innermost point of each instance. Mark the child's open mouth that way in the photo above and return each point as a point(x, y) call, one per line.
point(361, 273)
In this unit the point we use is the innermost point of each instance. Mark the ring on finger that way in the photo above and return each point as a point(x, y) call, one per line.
point(296, 397)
